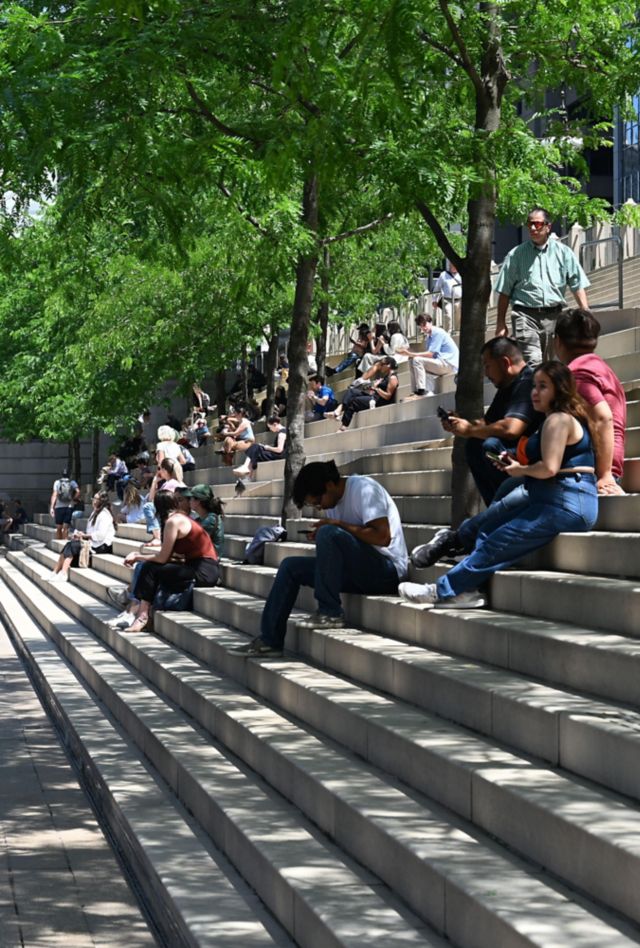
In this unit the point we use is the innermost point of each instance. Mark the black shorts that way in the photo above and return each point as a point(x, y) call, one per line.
point(62, 515)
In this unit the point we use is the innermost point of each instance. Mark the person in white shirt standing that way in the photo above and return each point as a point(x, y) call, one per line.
point(447, 290)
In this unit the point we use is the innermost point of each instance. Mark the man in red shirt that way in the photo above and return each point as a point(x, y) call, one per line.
point(576, 337)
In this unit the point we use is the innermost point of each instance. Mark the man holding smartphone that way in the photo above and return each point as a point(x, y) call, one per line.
point(510, 415)
point(360, 548)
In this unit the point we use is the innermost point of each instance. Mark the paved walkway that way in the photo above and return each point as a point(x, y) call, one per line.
point(59, 881)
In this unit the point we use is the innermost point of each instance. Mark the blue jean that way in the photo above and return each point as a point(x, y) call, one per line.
point(346, 362)
point(149, 511)
point(510, 496)
point(341, 564)
point(553, 506)
point(487, 477)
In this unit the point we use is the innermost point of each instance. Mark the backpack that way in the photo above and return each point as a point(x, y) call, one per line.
point(254, 550)
point(65, 490)
point(170, 601)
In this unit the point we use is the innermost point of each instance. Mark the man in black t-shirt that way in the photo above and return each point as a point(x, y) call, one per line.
point(508, 418)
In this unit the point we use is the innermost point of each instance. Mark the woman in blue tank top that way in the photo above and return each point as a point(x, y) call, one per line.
point(561, 495)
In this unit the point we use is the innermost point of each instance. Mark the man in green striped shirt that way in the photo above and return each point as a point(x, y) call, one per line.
point(533, 278)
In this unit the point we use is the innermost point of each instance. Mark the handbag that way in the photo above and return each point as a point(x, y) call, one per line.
point(84, 557)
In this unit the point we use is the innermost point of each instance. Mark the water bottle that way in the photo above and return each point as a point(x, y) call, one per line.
point(372, 403)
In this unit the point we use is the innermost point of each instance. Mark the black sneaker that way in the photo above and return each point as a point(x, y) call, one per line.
point(328, 371)
point(445, 542)
point(258, 648)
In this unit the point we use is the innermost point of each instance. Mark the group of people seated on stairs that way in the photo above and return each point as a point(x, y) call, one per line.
point(551, 442)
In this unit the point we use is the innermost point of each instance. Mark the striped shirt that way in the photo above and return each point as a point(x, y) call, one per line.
point(532, 276)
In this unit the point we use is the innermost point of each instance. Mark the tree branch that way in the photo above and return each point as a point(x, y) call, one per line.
point(247, 216)
point(466, 62)
point(356, 230)
point(440, 47)
point(443, 241)
point(206, 112)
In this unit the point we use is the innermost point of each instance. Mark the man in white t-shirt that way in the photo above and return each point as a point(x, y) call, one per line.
point(360, 548)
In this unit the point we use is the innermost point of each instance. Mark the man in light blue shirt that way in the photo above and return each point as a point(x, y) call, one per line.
point(440, 357)
point(533, 278)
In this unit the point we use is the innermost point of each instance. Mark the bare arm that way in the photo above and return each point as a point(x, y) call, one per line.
point(169, 537)
point(581, 299)
point(501, 318)
point(509, 428)
point(376, 532)
point(556, 432)
point(387, 395)
point(601, 427)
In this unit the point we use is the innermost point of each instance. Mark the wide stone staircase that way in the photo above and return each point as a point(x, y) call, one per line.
point(419, 778)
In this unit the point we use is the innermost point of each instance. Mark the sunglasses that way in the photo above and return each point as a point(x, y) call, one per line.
point(536, 225)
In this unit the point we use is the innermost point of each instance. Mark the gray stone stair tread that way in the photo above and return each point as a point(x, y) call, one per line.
point(210, 905)
point(312, 871)
point(409, 825)
point(602, 602)
point(563, 654)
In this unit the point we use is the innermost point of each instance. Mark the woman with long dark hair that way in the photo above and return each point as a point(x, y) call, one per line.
point(184, 539)
point(100, 530)
point(561, 494)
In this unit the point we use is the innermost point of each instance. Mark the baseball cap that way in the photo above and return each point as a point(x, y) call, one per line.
point(200, 492)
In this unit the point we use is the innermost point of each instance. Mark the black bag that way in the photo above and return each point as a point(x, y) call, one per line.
point(168, 600)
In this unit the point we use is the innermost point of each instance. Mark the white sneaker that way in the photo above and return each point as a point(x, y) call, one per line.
point(59, 578)
point(419, 592)
point(468, 600)
point(123, 620)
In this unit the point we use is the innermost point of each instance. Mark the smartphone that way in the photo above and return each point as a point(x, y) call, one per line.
point(499, 458)
point(443, 414)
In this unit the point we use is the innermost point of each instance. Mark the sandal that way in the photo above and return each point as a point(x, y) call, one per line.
point(139, 625)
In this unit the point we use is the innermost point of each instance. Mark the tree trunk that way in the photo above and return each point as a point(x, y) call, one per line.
point(244, 377)
point(323, 313)
point(476, 267)
point(220, 395)
point(74, 452)
point(297, 351)
point(270, 363)
point(95, 457)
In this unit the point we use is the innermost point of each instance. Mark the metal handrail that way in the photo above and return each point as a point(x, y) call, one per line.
point(603, 240)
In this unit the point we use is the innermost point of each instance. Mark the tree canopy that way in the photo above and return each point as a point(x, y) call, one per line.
point(203, 159)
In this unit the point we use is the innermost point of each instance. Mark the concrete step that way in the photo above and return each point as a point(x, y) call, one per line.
point(396, 842)
point(216, 908)
point(601, 663)
point(267, 839)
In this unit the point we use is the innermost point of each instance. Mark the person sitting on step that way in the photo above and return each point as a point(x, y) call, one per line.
point(576, 337)
point(560, 496)
point(239, 435)
point(510, 415)
point(440, 357)
point(207, 510)
point(186, 554)
point(360, 548)
point(262, 452)
point(360, 345)
point(100, 531)
point(320, 399)
point(168, 478)
point(395, 348)
point(378, 386)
